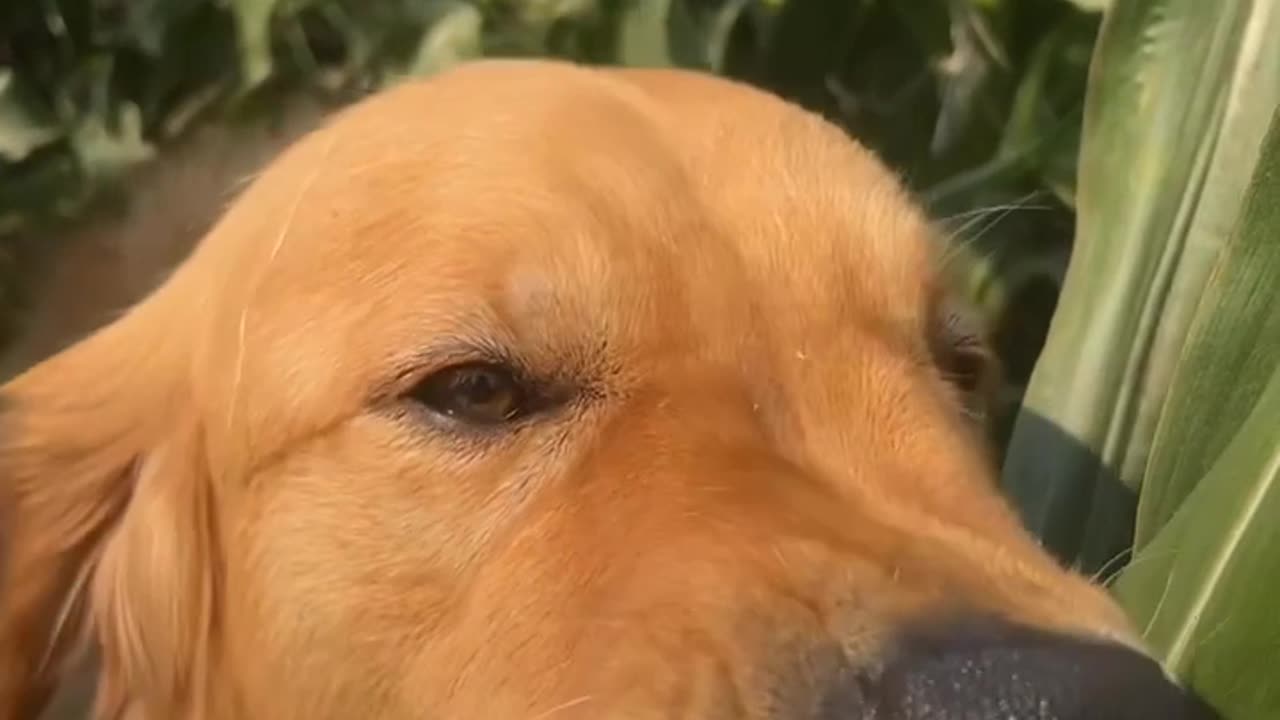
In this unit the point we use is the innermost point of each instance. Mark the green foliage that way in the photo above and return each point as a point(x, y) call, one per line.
point(1150, 421)
point(1201, 583)
point(1181, 96)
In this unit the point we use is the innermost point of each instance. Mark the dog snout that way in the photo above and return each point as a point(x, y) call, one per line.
point(985, 669)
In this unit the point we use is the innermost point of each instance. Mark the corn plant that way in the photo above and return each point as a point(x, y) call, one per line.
point(1149, 437)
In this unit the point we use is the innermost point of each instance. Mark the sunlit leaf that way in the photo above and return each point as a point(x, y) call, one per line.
point(453, 38)
point(1204, 586)
point(253, 30)
point(1173, 105)
point(21, 129)
point(1255, 92)
point(660, 33)
point(719, 34)
point(105, 150)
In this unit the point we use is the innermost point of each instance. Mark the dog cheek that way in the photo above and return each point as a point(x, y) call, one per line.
point(350, 553)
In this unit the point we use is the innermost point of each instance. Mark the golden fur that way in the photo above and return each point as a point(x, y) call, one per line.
point(764, 469)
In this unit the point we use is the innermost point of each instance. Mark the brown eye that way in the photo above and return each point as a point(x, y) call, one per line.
point(962, 355)
point(475, 393)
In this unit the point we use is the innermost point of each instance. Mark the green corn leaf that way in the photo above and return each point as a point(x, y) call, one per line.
point(22, 129)
point(1179, 96)
point(453, 38)
point(660, 33)
point(720, 31)
point(1092, 5)
point(1204, 587)
point(1255, 93)
point(253, 31)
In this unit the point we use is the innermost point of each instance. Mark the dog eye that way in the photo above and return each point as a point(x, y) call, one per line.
point(959, 349)
point(962, 355)
point(964, 358)
point(475, 393)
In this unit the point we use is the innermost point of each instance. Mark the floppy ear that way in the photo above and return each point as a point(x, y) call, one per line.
point(102, 519)
point(153, 590)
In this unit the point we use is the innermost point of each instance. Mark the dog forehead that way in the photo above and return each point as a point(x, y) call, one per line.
point(479, 137)
point(578, 167)
point(550, 202)
point(497, 151)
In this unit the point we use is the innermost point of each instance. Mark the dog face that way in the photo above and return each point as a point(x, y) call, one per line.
point(533, 391)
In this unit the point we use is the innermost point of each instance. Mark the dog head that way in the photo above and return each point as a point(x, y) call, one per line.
point(537, 391)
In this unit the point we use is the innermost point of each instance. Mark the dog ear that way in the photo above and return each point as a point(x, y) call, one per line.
point(152, 599)
point(100, 516)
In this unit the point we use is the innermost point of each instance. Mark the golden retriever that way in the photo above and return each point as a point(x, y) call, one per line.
point(537, 391)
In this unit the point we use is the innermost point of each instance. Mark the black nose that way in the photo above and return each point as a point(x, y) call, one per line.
point(980, 669)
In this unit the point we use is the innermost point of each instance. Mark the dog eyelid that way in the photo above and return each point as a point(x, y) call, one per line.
point(958, 344)
point(476, 393)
